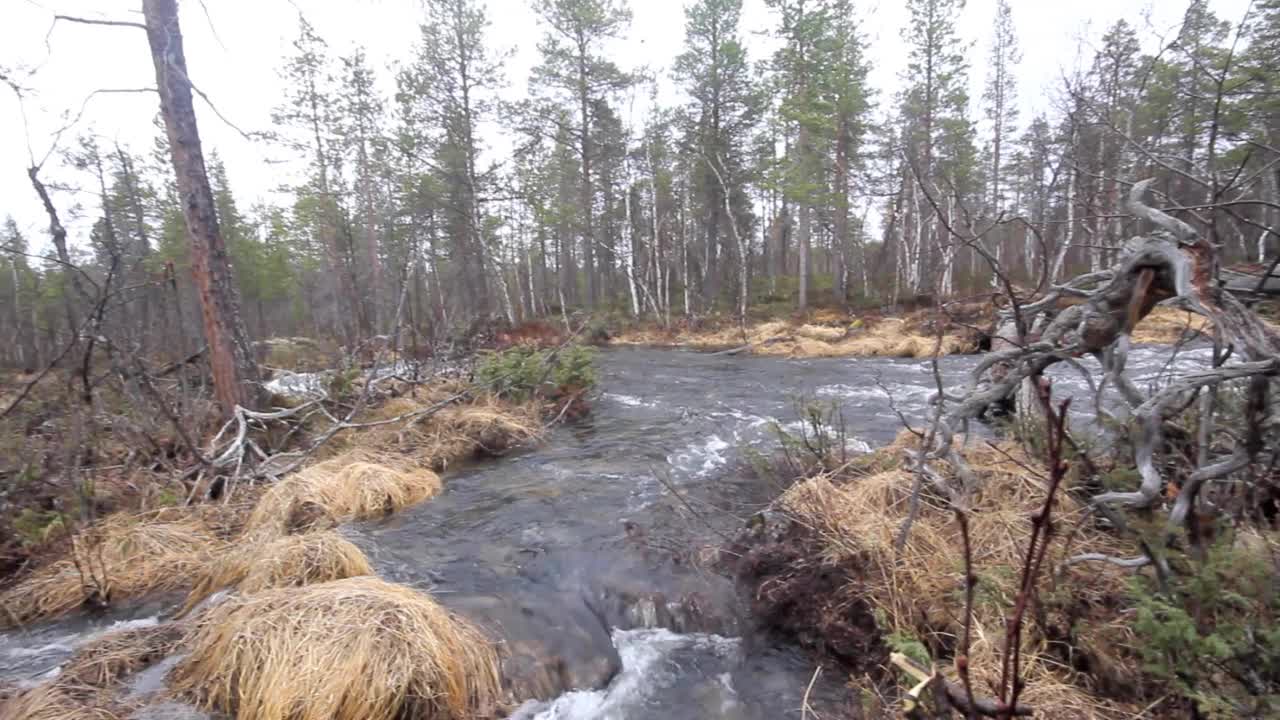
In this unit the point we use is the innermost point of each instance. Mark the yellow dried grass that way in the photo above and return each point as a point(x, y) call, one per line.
point(820, 332)
point(289, 561)
point(1165, 325)
point(83, 690)
point(354, 649)
point(120, 653)
point(777, 338)
point(459, 432)
point(919, 588)
point(357, 484)
point(122, 557)
point(62, 701)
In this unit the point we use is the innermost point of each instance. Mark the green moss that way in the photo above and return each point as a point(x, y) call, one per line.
point(35, 527)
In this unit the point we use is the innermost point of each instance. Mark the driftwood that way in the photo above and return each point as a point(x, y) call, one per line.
point(1172, 265)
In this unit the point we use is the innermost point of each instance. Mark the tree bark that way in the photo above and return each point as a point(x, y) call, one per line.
point(235, 373)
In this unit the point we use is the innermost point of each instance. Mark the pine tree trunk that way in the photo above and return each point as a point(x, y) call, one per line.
point(587, 199)
point(230, 357)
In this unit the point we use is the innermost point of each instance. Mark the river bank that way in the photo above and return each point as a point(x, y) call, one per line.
point(594, 561)
point(958, 330)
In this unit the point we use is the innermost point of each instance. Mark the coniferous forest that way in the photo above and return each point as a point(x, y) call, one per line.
point(736, 385)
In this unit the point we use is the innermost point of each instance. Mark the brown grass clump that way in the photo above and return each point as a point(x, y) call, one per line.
point(1165, 325)
point(920, 589)
point(62, 701)
point(354, 649)
point(115, 655)
point(358, 484)
point(458, 432)
point(289, 561)
point(888, 337)
point(820, 332)
point(122, 557)
point(83, 690)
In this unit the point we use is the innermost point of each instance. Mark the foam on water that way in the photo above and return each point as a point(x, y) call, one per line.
point(647, 669)
point(700, 459)
point(628, 400)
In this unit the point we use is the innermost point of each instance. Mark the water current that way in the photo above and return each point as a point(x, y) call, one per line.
point(588, 554)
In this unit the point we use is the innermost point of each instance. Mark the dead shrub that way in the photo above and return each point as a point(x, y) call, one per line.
point(354, 649)
point(919, 589)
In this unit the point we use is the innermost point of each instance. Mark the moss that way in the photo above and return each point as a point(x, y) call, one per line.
point(35, 527)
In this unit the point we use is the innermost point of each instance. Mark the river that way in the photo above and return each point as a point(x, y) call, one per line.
point(589, 555)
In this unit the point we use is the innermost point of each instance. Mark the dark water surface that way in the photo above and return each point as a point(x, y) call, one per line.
point(579, 555)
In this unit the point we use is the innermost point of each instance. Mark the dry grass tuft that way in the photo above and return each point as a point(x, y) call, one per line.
point(459, 432)
point(84, 690)
point(289, 561)
point(464, 431)
point(920, 589)
point(1165, 325)
point(820, 332)
point(358, 484)
point(115, 655)
point(62, 701)
point(354, 649)
point(889, 337)
point(122, 557)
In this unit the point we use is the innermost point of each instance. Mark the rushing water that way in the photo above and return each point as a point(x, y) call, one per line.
point(588, 554)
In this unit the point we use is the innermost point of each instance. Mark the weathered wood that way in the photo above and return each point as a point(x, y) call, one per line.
point(235, 373)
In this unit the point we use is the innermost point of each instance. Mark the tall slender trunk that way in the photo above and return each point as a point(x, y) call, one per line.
point(587, 200)
point(841, 224)
point(230, 357)
point(803, 240)
point(134, 198)
point(1069, 232)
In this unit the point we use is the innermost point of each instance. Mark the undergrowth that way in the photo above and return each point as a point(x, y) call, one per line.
point(524, 372)
point(1211, 633)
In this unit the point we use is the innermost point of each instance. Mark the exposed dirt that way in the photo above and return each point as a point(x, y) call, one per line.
point(796, 596)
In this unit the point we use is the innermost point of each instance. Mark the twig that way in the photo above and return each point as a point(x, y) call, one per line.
point(667, 484)
point(804, 702)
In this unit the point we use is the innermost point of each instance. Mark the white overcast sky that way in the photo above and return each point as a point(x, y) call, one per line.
point(235, 48)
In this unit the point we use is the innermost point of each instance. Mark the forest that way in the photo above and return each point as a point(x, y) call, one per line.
point(780, 180)
point(737, 388)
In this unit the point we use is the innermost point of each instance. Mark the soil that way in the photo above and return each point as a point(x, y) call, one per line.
point(797, 597)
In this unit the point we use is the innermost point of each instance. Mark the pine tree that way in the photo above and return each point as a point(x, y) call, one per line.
point(310, 110)
point(360, 115)
point(724, 107)
point(851, 99)
point(574, 73)
point(937, 137)
point(1000, 99)
point(230, 355)
point(451, 83)
point(800, 66)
